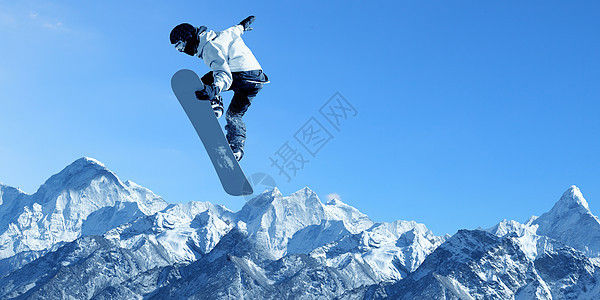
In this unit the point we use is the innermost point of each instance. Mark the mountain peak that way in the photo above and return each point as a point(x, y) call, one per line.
point(571, 222)
point(86, 164)
point(305, 192)
point(572, 199)
point(79, 173)
point(264, 199)
point(89, 161)
point(570, 205)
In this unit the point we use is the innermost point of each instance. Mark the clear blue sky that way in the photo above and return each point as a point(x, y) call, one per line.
point(469, 112)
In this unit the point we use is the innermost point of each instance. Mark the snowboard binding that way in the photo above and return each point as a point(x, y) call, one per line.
point(238, 153)
point(217, 105)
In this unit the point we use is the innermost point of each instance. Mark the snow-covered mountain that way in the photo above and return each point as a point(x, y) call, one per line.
point(571, 222)
point(553, 256)
point(84, 198)
point(86, 234)
point(476, 264)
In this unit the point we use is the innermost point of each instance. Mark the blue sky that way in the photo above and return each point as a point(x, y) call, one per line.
point(468, 112)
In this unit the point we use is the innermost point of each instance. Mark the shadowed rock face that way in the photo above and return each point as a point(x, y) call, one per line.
point(86, 234)
point(479, 265)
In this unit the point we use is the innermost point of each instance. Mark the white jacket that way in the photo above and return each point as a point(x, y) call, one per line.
point(225, 52)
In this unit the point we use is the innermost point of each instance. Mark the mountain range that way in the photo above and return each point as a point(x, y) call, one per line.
point(85, 234)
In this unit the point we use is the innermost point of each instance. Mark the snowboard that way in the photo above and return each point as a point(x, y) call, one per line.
point(184, 84)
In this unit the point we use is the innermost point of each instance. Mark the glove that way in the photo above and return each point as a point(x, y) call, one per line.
point(209, 92)
point(246, 23)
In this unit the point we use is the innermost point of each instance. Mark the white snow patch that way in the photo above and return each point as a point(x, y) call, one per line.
point(454, 286)
point(257, 273)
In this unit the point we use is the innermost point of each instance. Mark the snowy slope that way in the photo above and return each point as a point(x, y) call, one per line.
point(393, 249)
point(78, 270)
point(184, 232)
point(274, 221)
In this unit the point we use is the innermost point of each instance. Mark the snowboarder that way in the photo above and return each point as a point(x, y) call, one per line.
point(234, 67)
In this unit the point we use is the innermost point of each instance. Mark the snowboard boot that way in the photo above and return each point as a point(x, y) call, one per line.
point(217, 105)
point(237, 152)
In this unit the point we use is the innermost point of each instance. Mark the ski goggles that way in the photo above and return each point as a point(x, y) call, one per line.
point(180, 46)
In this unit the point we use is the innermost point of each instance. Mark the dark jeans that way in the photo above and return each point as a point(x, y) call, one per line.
point(245, 86)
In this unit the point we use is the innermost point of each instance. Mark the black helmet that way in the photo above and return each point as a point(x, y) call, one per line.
point(182, 33)
point(185, 38)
